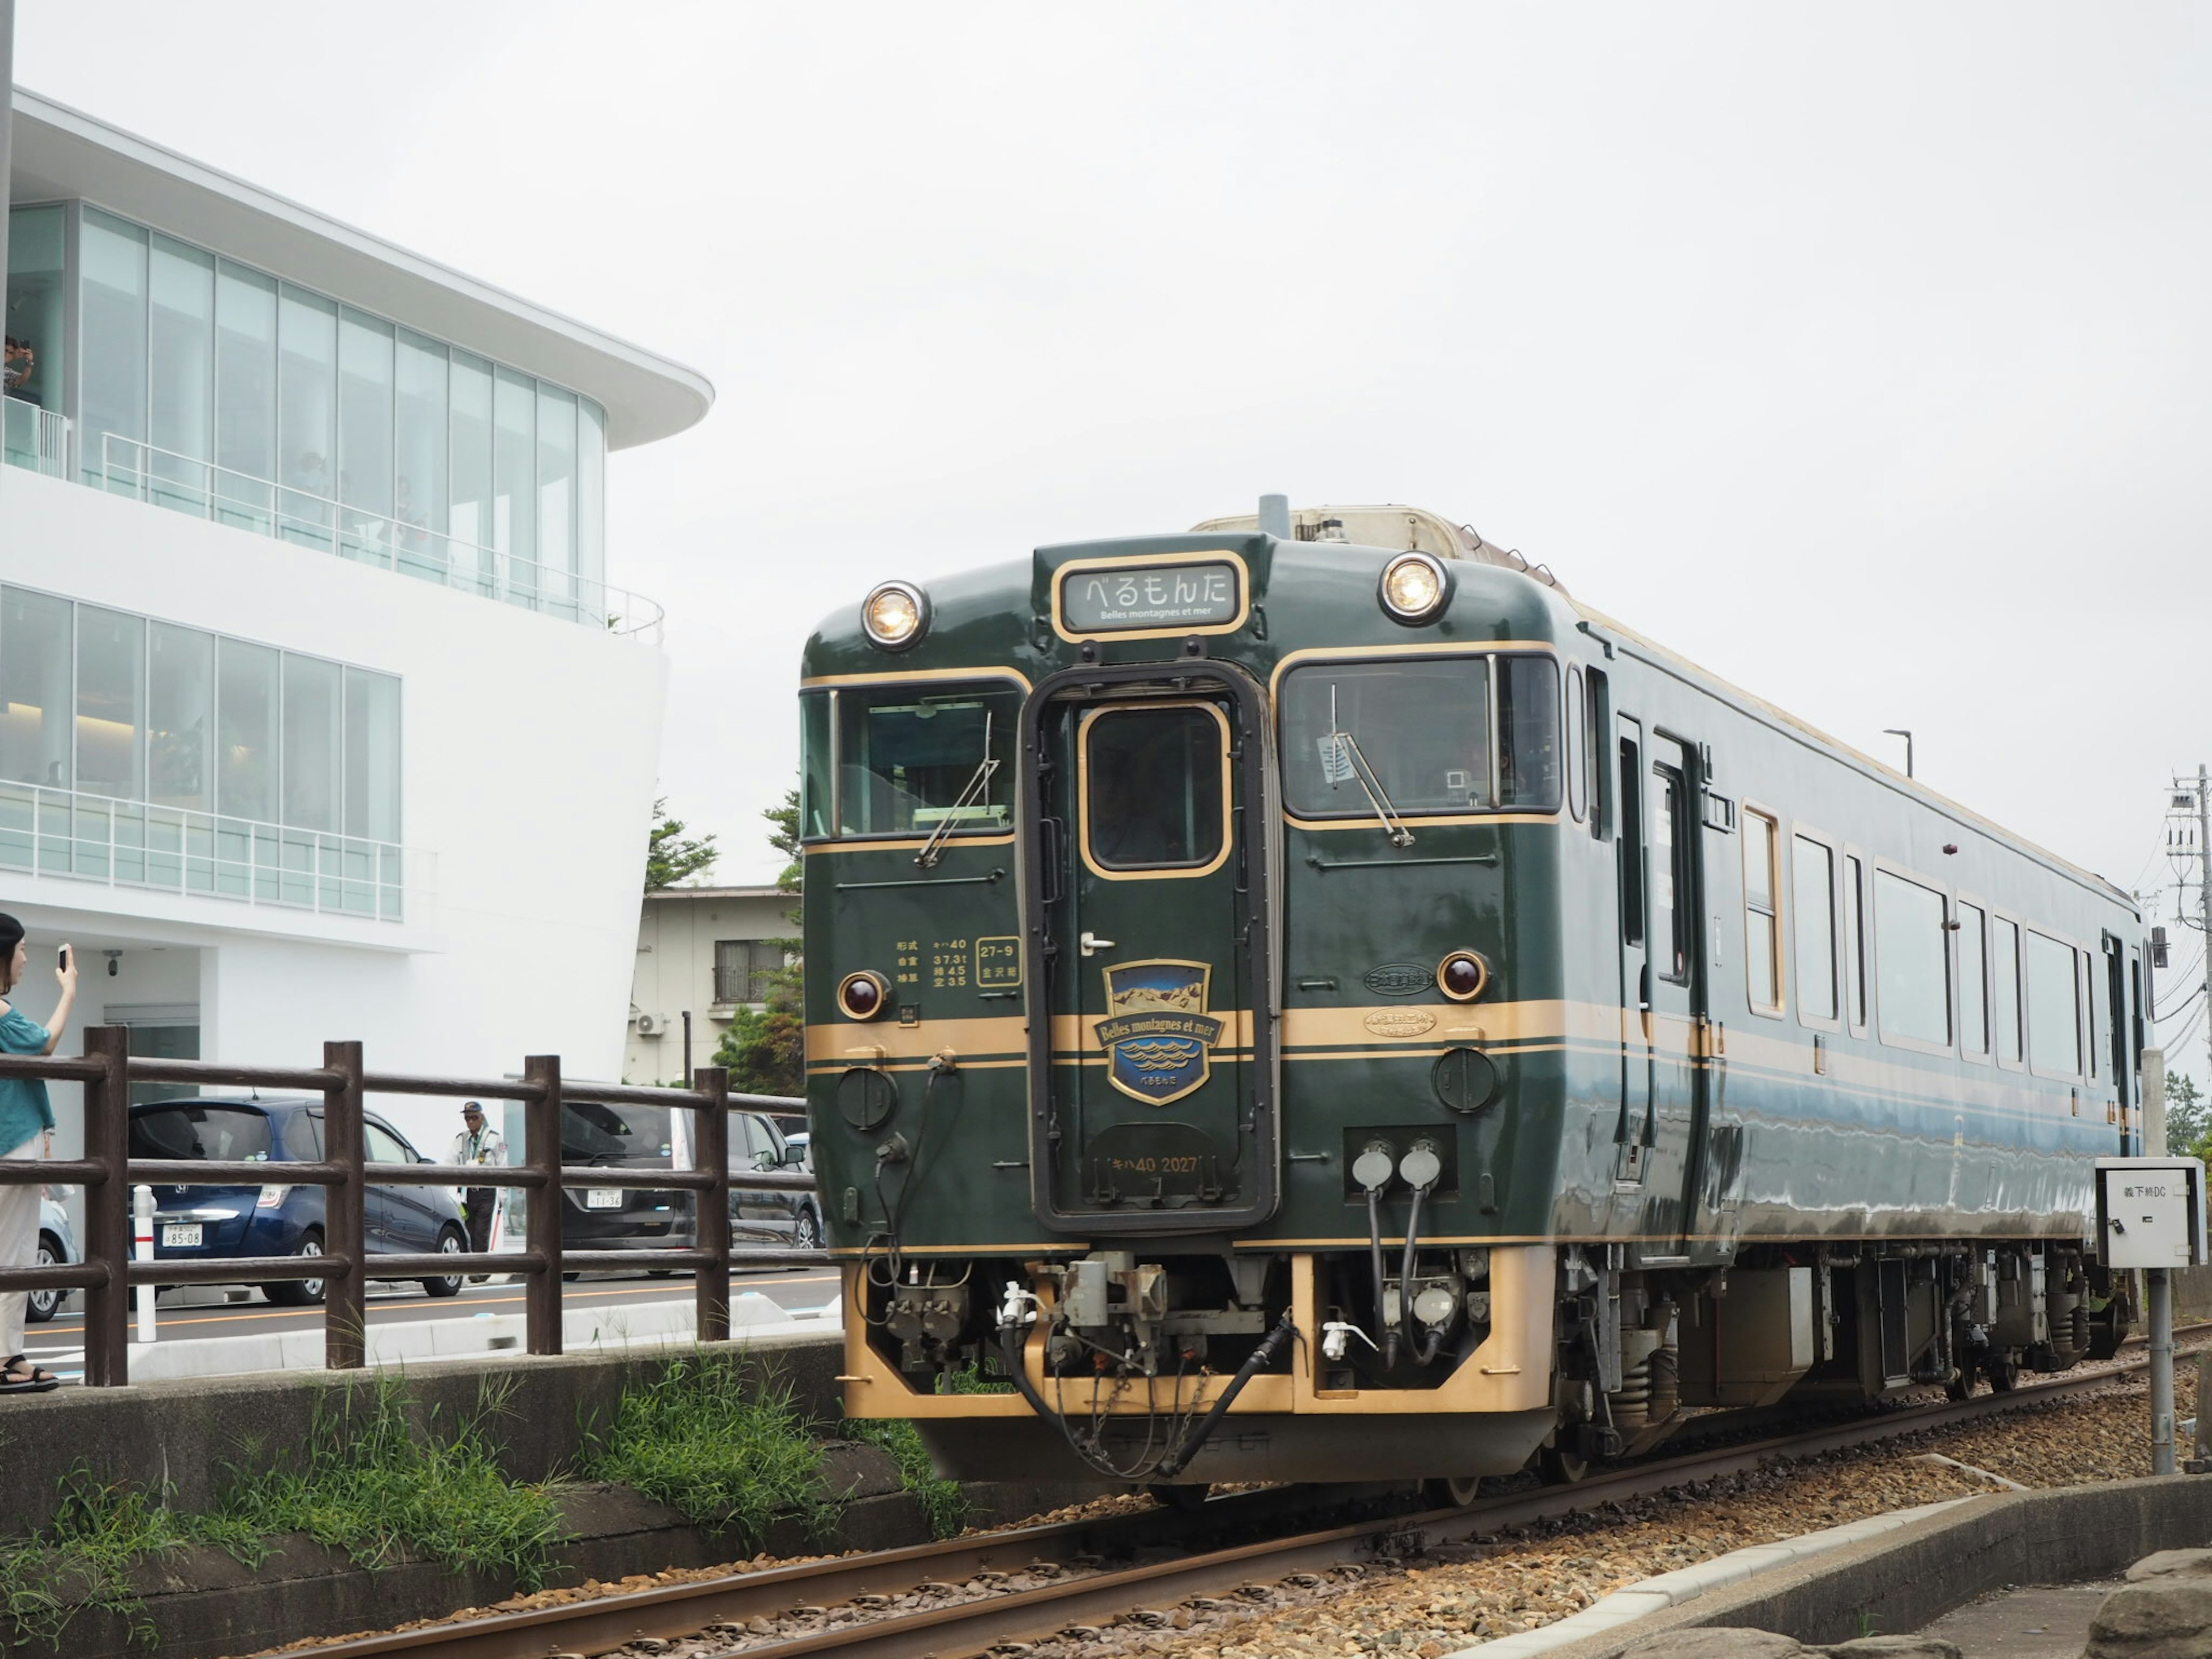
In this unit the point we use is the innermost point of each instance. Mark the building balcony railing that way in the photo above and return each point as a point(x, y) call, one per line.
point(127, 466)
point(33, 438)
point(131, 843)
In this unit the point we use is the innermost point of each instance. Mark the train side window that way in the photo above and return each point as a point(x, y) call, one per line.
point(1529, 733)
point(1597, 717)
point(2093, 1011)
point(1855, 942)
point(1577, 747)
point(1912, 960)
point(1631, 846)
point(1973, 982)
point(1762, 925)
point(2004, 982)
point(1812, 898)
point(1670, 890)
point(2054, 1007)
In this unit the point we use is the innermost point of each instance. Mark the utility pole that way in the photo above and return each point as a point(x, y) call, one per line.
point(2197, 793)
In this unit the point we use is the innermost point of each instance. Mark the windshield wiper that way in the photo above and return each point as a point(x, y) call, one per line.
point(1343, 746)
point(977, 789)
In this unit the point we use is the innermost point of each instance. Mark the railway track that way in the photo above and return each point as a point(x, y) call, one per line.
point(1075, 1584)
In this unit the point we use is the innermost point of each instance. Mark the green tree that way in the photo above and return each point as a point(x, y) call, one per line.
point(765, 1048)
point(670, 859)
point(2188, 1118)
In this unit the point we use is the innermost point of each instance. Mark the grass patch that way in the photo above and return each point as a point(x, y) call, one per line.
point(375, 1483)
point(725, 1448)
point(942, 1501)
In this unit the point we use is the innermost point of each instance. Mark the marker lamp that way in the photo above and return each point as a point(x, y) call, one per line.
point(1415, 588)
point(863, 995)
point(894, 616)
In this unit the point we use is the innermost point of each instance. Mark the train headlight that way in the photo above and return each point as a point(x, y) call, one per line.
point(863, 995)
point(894, 616)
point(1461, 976)
point(1415, 587)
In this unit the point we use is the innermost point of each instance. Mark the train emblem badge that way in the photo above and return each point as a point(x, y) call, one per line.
point(1157, 1035)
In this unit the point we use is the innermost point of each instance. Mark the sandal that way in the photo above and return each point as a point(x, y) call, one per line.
point(19, 1376)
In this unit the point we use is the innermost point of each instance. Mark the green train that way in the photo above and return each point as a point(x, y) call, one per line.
point(1307, 999)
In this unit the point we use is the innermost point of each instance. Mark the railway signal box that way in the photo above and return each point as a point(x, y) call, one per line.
point(2150, 1212)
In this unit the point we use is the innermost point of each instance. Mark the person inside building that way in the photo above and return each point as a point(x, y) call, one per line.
point(478, 1143)
point(27, 1130)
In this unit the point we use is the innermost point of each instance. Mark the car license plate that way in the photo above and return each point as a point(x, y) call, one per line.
point(177, 1233)
point(601, 1198)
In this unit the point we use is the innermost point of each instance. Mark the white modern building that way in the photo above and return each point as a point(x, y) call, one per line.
point(702, 954)
point(318, 717)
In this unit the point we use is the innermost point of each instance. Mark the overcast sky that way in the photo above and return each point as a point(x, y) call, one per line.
point(1862, 357)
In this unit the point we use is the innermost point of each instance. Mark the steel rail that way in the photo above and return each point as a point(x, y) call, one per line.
point(972, 1626)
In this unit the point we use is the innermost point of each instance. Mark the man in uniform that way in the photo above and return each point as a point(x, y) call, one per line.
point(478, 1143)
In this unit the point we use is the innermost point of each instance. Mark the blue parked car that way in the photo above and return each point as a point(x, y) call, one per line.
point(278, 1219)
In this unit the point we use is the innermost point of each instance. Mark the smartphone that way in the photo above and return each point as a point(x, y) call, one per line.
point(62, 957)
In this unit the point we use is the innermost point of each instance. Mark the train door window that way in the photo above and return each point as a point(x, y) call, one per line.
point(1577, 748)
point(2004, 989)
point(2093, 1013)
point(1855, 943)
point(2054, 1007)
point(1529, 733)
point(1154, 787)
point(1813, 901)
point(1912, 962)
point(1632, 845)
point(1973, 982)
point(1762, 925)
point(1670, 890)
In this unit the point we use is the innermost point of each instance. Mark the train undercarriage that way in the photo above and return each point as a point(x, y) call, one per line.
point(1178, 1364)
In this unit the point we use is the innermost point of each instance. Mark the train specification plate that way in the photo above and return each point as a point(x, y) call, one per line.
point(603, 1198)
point(1205, 593)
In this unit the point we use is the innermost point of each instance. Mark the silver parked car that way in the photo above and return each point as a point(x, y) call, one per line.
point(57, 1245)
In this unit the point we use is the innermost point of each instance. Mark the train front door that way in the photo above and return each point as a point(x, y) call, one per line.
point(1152, 1091)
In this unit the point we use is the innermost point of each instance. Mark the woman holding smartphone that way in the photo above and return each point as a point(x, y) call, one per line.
point(25, 1116)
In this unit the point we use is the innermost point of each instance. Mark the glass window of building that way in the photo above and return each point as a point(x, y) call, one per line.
point(246, 396)
point(472, 462)
point(1812, 893)
point(514, 478)
point(591, 500)
point(557, 491)
point(1973, 981)
point(111, 702)
point(306, 413)
point(2054, 1007)
point(1912, 954)
point(180, 717)
point(372, 755)
point(245, 730)
point(35, 674)
point(313, 779)
point(181, 374)
point(1762, 929)
point(418, 501)
point(112, 396)
point(365, 432)
point(32, 372)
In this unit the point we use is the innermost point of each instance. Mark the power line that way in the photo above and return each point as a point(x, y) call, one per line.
point(2179, 1008)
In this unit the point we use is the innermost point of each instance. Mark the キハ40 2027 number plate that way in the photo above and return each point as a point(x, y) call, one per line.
point(603, 1198)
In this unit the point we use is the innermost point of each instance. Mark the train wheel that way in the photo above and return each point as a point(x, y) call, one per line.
point(2003, 1374)
point(1561, 1467)
point(1453, 1492)
point(1184, 1499)
point(1961, 1385)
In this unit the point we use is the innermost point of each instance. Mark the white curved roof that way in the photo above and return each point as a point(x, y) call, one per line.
point(61, 153)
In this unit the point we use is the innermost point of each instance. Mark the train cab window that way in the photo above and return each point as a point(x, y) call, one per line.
point(816, 786)
point(1762, 925)
point(1812, 898)
point(1855, 943)
point(1577, 748)
point(1912, 957)
point(2054, 1007)
point(1154, 787)
point(1670, 892)
point(1973, 982)
point(911, 762)
point(2004, 989)
point(1529, 729)
point(1412, 732)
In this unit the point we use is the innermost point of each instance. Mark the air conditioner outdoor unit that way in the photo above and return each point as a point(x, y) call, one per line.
point(650, 1025)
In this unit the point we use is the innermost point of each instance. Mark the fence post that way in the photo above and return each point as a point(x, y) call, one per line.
point(541, 1145)
point(710, 1136)
point(345, 1213)
point(107, 1207)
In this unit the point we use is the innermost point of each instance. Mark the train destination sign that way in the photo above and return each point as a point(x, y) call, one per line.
point(1203, 593)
